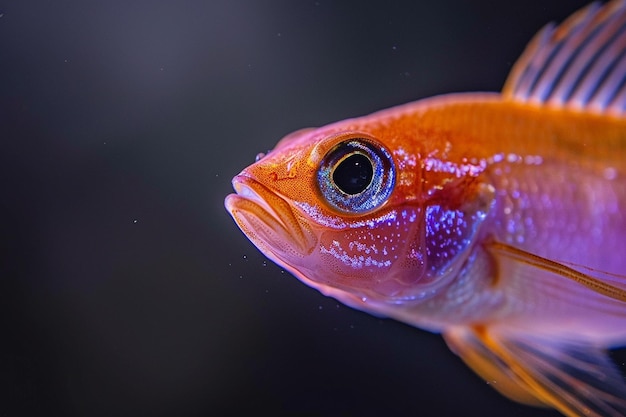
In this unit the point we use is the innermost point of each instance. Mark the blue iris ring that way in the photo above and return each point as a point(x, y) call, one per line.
point(360, 194)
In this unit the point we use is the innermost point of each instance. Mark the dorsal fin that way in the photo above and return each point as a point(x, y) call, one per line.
point(580, 64)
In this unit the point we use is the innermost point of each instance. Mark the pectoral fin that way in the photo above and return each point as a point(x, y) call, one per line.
point(577, 379)
point(609, 285)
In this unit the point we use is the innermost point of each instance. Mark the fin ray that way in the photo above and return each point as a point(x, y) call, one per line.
point(575, 378)
point(579, 65)
point(560, 299)
point(601, 286)
point(559, 65)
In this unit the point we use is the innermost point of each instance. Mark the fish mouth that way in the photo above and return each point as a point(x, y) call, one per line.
point(269, 221)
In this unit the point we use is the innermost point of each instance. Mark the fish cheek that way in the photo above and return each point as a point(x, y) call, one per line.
point(383, 257)
point(450, 232)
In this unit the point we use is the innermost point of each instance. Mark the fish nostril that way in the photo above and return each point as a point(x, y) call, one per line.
point(262, 155)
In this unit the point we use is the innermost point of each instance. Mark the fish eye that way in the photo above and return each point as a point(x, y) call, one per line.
point(353, 174)
point(356, 176)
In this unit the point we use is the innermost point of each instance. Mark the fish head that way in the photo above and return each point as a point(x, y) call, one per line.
point(345, 209)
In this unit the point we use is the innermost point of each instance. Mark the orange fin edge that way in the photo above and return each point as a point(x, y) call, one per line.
point(574, 378)
point(595, 284)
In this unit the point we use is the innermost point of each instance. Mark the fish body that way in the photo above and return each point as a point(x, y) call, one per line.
point(497, 219)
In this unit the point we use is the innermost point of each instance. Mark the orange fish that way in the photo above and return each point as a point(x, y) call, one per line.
point(497, 219)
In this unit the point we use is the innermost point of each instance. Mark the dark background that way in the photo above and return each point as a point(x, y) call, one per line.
point(126, 288)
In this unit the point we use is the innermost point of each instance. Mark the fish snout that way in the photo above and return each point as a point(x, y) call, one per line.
point(268, 220)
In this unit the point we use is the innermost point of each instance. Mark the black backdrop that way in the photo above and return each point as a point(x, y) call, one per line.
point(126, 289)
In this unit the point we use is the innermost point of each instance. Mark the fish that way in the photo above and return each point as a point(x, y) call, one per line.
point(497, 219)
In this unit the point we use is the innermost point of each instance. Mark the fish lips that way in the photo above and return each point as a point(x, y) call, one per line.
point(269, 221)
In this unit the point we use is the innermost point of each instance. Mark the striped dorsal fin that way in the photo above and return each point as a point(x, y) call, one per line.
point(578, 65)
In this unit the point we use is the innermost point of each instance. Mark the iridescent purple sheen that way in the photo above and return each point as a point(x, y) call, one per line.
point(449, 233)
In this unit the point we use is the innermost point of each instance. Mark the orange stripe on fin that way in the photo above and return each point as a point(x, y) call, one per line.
point(579, 65)
point(595, 284)
point(575, 378)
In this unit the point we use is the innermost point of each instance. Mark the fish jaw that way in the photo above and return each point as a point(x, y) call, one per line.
point(269, 222)
point(281, 234)
point(365, 263)
point(346, 261)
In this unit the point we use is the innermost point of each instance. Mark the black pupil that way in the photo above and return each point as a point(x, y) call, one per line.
point(354, 174)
